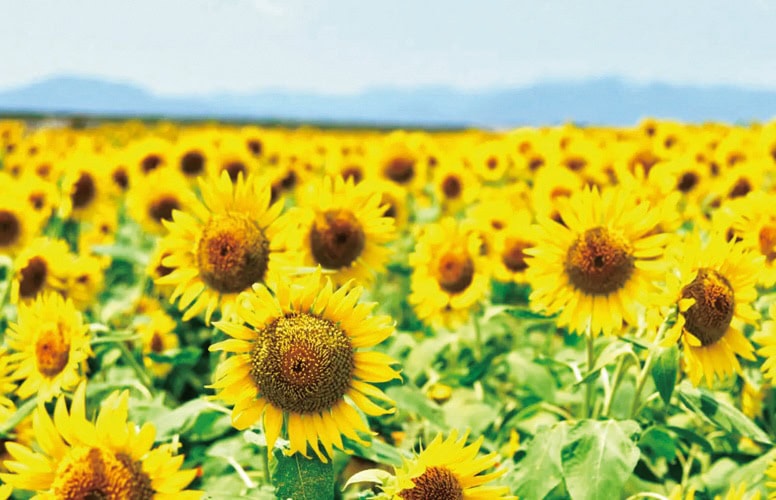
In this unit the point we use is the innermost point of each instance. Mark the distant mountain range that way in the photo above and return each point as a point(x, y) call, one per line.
point(608, 101)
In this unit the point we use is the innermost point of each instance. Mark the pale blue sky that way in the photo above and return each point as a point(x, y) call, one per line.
point(203, 46)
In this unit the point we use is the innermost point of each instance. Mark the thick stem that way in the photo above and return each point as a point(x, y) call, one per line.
point(616, 379)
point(643, 375)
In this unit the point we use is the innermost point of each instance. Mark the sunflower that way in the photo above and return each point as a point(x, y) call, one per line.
point(490, 160)
point(110, 458)
point(85, 279)
point(344, 229)
point(455, 186)
point(18, 224)
point(153, 200)
point(397, 159)
point(42, 266)
point(192, 152)
point(299, 357)
point(224, 244)
point(148, 154)
point(86, 189)
point(450, 276)
point(42, 197)
point(510, 260)
point(158, 335)
point(597, 269)
point(713, 287)
point(766, 338)
point(50, 343)
point(450, 469)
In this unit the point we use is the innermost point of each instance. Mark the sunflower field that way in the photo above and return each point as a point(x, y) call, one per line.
point(226, 311)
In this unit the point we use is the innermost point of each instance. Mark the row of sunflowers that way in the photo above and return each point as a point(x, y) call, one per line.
point(210, 310)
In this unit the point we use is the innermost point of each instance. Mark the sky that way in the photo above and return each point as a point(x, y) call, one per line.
point(189, 47)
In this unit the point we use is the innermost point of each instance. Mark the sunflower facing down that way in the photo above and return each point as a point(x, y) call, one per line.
point(224, 244)
point(598, 268)
point(448, 469)
point(300, 354)
point(449, 273)
point(343, 228)
point(110, 458)
point(51, 345)
point(713, 287)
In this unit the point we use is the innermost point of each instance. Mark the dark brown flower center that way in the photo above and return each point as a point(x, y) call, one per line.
point(400, 169)
point(84, 191)
point(121, 178)
point(436, 483)
point(10, 228)
point(255, 146)
point(353, 172)
point(192, 163)
point(741, 188)
point(598, 262)
point(232, 254)
point(451, 187)
point(33, 277)
point(302, 363)
point(37, 200)
point(455, 271)
point(687, 182)
point(514, 256)
point(710, 316)
point(52, 351)
point(98, 474)
point(767, 240)
point(157, 344)
point(162, 208)
point(336, 239)
point(235, 168)
point(150, 162)
point(575, 163)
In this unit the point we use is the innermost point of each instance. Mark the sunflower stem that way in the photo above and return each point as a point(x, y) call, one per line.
point(142, 375)
point(616, 379)
point(589, 385)
point(643, 375)
point(477, 338)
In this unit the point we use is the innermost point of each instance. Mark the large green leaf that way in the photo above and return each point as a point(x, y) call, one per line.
point(540, 471)
point(721, 414)
point(665, 370)
point(301, 478)
point(598, 457)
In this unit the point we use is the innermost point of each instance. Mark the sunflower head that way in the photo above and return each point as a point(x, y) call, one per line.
point(111, 458)
point(51, 345)
point(298, 358)
point(448, 468)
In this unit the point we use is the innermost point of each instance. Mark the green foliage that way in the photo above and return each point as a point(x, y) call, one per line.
point(299, 478)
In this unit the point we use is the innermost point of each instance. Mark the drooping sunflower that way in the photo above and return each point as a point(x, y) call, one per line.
point(343, 228)
point(110, 458)
point(300, 354)
point(224, 244)
point(50, 343)
point(42, 266)
point(450, 274)
point(450, 469)
point(713, 287)
point(598, 268)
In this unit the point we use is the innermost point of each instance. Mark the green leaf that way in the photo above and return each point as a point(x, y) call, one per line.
point(598, 457)
point(301, 478)
point(609, 355)
point(378, 476)
point(178, 357)
point(665, 370)
point(412, 401)
point(658, 443)
point(376, 451)
point(719, 413)
point(196, 419)
point(525, 313)
point(540, 471)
